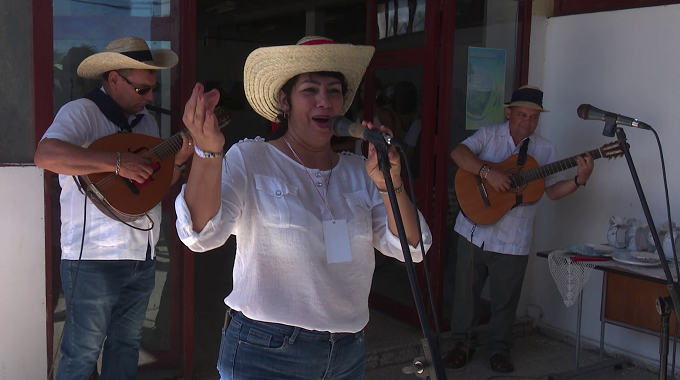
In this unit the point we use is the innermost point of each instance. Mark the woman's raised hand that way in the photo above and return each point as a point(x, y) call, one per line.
point(199, 118)
point(372, 161)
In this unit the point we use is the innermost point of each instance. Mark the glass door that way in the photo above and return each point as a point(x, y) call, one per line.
point(484, 58)
point(82, 28)
point(419, 84)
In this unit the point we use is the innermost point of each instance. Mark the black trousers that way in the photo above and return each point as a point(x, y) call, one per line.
point(506, 274)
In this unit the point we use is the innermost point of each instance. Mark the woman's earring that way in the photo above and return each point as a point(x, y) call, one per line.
point(286, 115)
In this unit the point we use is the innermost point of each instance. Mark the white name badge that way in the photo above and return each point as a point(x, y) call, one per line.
point(336, 236)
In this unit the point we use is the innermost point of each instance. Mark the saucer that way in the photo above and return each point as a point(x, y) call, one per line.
point(604, 249)
point(584, 250)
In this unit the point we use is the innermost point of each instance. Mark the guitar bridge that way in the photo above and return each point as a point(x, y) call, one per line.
point(482, 191)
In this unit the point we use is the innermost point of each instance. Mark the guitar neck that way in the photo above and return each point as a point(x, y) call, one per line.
point(556, 167)
point(170, 146)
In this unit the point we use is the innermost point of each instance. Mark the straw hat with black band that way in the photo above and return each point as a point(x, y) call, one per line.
point(527, 96)
point(268, 69)
point(126, 53)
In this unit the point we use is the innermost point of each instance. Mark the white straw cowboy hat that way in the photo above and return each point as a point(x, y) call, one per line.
point(268, 69)
point(527, 96)
point(126, 53)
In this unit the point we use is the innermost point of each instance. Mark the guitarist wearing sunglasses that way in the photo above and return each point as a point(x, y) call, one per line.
point(113, 262)
point(500, 250)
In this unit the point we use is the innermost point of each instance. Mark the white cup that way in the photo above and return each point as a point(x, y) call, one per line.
point(636, 236)
point(662, 230)
point(667, 247)
point(616, 236)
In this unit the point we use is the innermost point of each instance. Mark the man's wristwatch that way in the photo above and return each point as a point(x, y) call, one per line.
point(576, 182)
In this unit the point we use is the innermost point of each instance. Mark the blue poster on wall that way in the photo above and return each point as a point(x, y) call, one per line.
point(485, 87)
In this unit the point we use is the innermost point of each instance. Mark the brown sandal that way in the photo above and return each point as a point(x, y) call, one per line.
point(458, 357)
point(501, 363)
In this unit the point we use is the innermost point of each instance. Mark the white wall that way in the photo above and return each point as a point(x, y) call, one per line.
point(624, 62)
point(23, 346)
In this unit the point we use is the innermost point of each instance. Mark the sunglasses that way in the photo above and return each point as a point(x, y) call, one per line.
point(141, 90)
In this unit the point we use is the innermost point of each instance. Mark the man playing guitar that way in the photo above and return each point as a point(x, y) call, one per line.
point(114, 262)
point(500, 251)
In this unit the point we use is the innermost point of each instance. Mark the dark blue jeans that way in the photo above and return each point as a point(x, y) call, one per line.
point(109, 301)
point(258, 350)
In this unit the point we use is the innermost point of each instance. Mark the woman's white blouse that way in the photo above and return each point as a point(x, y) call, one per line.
point(281, 273)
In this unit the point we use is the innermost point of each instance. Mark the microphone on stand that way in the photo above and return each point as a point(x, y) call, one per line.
point(343, 127)
point(588, 112)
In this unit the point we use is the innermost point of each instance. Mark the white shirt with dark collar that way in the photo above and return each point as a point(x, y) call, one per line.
point(512, 234)
point(80, 122)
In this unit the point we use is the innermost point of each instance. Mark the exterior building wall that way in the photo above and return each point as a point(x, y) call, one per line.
point(16, 83)
point(623, 62)
point(23, 345)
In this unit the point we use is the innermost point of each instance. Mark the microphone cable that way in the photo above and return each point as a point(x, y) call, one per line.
point(671, 229)
point(70, 298)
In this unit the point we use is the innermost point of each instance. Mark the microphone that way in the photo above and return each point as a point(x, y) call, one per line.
point(588, 112)
point(342, 127)
point(153, 108)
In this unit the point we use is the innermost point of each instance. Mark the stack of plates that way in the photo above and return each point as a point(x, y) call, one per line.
point(643, 259)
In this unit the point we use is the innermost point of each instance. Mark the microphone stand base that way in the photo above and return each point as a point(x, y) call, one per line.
point(428, 366)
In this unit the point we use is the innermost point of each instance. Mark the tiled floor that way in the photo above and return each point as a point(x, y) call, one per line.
point(389, 341)
point(535, 357)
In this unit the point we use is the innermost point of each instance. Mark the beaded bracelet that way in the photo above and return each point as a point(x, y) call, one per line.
point(488, 170)
point(205, 154)
point(117, 163)
point(479, 173)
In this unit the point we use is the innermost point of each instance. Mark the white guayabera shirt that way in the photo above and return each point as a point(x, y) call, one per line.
point(512, 234)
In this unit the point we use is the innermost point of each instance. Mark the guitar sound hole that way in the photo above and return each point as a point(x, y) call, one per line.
point(516, 181)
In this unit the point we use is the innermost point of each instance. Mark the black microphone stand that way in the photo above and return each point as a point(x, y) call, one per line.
point(430, 366)
point(663, 304)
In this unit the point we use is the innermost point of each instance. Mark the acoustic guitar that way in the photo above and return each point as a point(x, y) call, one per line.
point(483, 205)
point(125, 200)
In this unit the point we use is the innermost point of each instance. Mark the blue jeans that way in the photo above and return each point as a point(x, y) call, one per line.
point(259, 350)
point(109, 301)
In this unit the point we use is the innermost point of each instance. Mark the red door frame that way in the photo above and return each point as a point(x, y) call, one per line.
point(187, 80)
point(572, 7)
point(43, 105)
point(181, 275)
point(426, 57)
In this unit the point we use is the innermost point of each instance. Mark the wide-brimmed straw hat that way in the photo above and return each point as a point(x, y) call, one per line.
point(268, 69)
point(527, 96)
point(126, 53)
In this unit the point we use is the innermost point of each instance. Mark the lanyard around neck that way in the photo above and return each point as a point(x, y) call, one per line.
point(328, 183)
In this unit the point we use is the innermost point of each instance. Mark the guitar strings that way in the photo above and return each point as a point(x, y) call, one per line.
point(546, 170)
point(162, 151)
point(167, 147)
